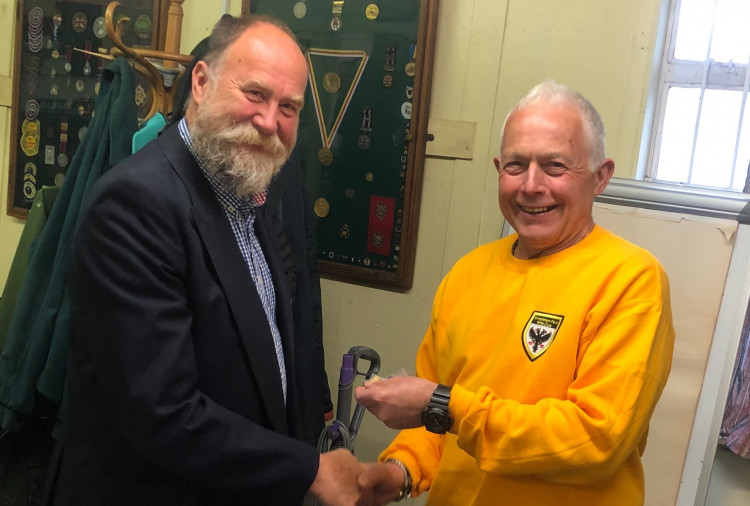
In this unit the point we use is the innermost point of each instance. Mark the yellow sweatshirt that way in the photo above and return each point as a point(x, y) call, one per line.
point(556, 365)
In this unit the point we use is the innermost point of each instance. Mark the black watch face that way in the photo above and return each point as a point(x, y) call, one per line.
point(436, 420)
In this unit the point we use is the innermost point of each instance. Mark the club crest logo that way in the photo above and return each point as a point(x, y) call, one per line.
point(539, 333)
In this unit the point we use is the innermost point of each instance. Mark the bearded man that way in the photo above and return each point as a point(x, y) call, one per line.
point(183, 385)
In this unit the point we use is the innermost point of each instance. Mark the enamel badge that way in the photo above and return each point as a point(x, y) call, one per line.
point(539, 333)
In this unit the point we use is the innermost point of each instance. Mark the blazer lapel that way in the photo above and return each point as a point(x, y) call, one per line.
point(242, 296)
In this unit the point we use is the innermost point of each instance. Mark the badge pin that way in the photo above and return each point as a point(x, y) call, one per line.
point(142, 26)
point(364, 142)
point(100, 30)
point(80, 22)
point(406, 110)
point(49, 155)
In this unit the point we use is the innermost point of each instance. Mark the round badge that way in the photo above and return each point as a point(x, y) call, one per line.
point(336, 23)
point(406, 110)
point(142, 26)
point(80, 22)
point(82, 133)
point(322, 208)
point(364, 142)
point(32, 110)
point(299, 10)
point(80, 85)
point(29, 168)
point(59, 178)
point(325, 156)
point(372, 11)
point(55, 54)
point(29, 190)
point(99, 29)
point(331, 82)
point(369, 177)
point(62, 159)
point(410, 69)
point(68, 67)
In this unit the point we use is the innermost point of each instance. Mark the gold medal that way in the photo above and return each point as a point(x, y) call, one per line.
point(372, 11)
point(331, 82)
point(325, 156)
point(410, 69)
point(322, 208)
point(369, 177)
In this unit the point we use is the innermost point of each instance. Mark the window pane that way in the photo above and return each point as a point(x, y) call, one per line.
point(731, 39)
point(743, 153)
point(694, 29)
point(677, 134)
point(714, 148)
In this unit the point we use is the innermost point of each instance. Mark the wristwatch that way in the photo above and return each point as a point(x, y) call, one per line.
point(436, 417)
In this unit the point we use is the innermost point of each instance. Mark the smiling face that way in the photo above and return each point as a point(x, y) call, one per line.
point(245, 108)
point(546, 187)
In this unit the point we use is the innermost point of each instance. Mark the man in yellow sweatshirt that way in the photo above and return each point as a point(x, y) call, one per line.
point(546, 351)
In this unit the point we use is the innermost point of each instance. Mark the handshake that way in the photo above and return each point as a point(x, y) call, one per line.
point(343, 480)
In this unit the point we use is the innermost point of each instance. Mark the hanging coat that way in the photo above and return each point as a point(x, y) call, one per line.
point(33, 361)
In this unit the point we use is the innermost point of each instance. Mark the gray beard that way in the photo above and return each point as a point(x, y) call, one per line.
point(220, 149)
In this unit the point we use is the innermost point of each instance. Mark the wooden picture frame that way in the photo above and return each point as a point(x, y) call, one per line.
point(55, 86)
point(363, 131)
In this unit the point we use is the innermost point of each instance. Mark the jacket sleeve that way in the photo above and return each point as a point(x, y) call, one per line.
point(134, 335)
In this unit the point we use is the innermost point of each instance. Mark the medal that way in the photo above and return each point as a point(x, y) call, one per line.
point(100, 30)
point(369, 177)
point(87, 57)
point(68, 56)
point(387, 80)
point(299, 10)
point(337, 7)
point(140, 96)
point(411, 68)
point(325, 156)
point(372, 11)
point(322, 208)
point(59, 178)
point(331, 82)
point(409, 92)
point(62, 158)
point(79, 22)
point(56, 24)
point(82, 133)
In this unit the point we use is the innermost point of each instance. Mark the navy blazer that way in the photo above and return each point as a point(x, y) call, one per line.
point(175, 393)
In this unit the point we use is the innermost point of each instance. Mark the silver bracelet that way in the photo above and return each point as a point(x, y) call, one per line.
point(405, 492)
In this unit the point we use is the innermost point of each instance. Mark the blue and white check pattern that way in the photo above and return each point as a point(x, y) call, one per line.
point(241, 215)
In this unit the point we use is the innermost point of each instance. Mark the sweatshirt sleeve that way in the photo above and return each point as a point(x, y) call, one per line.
point(584, 437)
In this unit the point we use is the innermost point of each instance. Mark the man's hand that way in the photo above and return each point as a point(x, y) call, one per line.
point(336, 481)
point(398, 402)
point(384, 480)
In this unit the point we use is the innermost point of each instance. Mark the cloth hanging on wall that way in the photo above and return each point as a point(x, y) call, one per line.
point(35, 221)
point(735, 426)
point(33, 361)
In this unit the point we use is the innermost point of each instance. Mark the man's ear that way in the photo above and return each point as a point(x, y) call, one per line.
point(201, 78)
point(603, 174)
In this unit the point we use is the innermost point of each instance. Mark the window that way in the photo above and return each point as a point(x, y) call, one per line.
point(701, 134)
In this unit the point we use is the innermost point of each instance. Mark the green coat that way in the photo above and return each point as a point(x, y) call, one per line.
point(33, 361)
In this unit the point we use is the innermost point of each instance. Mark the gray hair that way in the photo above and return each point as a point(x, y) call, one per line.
point(553, 93)
point(230, 28)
